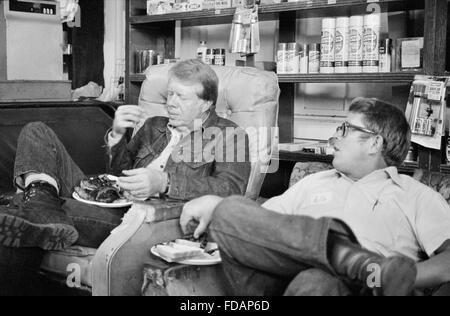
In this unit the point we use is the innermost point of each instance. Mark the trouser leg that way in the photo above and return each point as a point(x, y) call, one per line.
point(94, 224)
point(271, 243)
point(39, 150)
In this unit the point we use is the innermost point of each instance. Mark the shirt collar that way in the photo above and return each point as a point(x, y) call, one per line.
point(391, 172)
point(210, 120)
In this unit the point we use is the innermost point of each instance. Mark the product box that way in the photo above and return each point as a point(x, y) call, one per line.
point(409, 54)
point(209, 4)
point(195, 5)
point(159, 7)
point(223, 4)
point(180, 7)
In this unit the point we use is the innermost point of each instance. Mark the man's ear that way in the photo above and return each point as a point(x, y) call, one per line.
point(377, 144)
point(206, 106)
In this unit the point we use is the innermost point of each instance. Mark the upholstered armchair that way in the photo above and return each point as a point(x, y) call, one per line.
point(247, 96)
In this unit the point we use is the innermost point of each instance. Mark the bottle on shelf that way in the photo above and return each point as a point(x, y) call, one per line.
point(281, 58)
point(201, 51)
point(314, 58)
point(386, 55)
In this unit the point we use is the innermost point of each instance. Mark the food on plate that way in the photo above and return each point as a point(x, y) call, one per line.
point(100, 189)
point(176, 252)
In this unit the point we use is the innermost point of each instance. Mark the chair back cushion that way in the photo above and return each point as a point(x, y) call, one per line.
point(247, 96)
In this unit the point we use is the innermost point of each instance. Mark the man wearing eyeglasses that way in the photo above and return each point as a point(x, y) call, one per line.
point(358, 229)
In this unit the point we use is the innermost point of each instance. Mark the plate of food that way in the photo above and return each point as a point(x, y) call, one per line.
point(101, 191)
point(188, 252)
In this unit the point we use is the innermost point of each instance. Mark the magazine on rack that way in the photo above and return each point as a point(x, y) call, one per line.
point(426, 109)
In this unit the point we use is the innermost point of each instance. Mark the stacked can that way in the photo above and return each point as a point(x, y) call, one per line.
point(356, 30)
point(314, 59)
point(371, 49)
point(304, 58)
point(327, 51)
point(281, 58)
point(341, 45)
point(292, 58)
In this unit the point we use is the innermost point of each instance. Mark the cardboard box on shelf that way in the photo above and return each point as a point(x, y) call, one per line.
point(195, 5)
point(223, 4)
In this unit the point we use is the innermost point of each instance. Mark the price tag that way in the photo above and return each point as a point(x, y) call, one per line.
point(435, 90)
point(217, 12)
point(331, 1)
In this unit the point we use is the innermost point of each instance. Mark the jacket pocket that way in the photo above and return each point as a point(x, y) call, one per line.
point(144, 156)
point(197, 169)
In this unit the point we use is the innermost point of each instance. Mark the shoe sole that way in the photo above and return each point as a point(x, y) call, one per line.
point(398, 277)
point(17, 232)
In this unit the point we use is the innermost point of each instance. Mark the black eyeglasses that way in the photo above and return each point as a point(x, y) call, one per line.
point(342, 130)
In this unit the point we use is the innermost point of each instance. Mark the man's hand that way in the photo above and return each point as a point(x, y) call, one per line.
point(143, 183)
point(199, 211)
point(127, 116)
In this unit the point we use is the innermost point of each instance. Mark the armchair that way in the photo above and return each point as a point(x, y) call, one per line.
point(247, 96)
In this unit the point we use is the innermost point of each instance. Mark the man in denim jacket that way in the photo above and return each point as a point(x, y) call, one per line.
point(191, 153)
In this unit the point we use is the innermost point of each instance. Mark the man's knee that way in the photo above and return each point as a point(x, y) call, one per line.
point(36, 131)
point(226, 216)
point(229, 210)
point(36, 126)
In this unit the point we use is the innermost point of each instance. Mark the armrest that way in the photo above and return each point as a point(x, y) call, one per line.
point(118, 264)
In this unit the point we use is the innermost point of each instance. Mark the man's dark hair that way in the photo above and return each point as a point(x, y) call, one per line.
point(195, 71)
point(388, 121)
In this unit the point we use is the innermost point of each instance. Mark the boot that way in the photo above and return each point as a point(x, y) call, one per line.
point(397, 274)
point(36, 219)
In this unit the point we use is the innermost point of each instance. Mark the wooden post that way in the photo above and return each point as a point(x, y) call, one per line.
point(287, 34)
point(434, 62)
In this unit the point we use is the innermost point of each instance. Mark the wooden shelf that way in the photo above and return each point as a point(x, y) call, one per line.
point(331, 78)
point(299, 156)
point(263, 9)
point(392, 77)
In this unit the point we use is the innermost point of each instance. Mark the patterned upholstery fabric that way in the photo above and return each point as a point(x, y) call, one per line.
point(303, 169)
point(436, 180)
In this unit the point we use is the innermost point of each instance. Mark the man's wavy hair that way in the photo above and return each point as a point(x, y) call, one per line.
point(388, 121)
point(195, 71)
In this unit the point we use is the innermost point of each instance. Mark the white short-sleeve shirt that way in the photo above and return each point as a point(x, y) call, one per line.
point(389, 213)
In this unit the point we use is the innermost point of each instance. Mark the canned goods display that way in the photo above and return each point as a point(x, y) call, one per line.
point(219, 57)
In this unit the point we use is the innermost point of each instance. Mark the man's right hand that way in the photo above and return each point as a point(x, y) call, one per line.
point(127, 116)
point(199, 211)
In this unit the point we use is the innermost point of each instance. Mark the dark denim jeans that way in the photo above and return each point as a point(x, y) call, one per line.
point(261, 259)
point(39, 150)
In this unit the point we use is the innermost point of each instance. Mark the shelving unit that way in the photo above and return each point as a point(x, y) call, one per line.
point(158, 32)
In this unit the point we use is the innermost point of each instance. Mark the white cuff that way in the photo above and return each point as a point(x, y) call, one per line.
point(112, 141)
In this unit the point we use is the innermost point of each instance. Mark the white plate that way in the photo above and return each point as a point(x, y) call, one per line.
point(201, 260)
point(107, 205)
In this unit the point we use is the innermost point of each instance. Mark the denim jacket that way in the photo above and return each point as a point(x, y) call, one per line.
point(212, 160)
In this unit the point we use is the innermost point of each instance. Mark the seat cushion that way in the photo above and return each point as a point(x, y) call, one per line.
point(69, 261)
point(438, 181)
point(304, 169)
